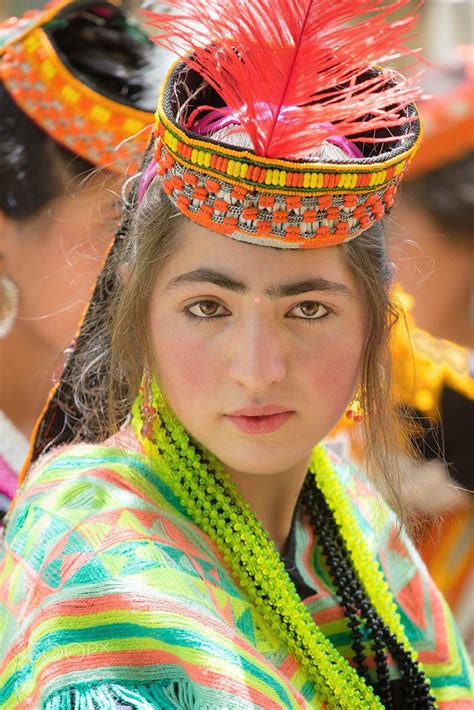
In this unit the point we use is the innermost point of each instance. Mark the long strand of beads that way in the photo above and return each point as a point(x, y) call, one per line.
point(333, 556)
point(364, 563)
point(215, 505)
point(417, 684)
point(348, 588)
point(252, 559)
point(347, 585)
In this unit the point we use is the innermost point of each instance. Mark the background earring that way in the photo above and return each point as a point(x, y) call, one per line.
point(9, 299)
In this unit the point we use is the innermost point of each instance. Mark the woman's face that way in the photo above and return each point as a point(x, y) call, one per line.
point(55, 256)
point(257, 350)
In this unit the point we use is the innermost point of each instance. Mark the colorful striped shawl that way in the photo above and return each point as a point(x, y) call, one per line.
point(108, 588)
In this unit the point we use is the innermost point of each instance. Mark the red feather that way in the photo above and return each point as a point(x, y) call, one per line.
point(272, 58)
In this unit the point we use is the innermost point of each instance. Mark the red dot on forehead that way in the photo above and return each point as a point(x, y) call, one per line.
point(256, 299)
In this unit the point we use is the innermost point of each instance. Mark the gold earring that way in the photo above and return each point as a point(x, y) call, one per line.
point(148, 409)
point(355, 411)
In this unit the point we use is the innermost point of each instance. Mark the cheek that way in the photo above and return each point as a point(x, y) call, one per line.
point(336, 372)
point(188, 367)
point(334, 375)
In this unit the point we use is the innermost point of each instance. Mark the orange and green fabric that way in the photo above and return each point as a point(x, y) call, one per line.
point(447, 548)
point(126, 603)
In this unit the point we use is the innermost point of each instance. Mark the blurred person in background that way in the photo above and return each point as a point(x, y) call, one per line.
point(77, 79)
point(432, 228)
point(432, 233)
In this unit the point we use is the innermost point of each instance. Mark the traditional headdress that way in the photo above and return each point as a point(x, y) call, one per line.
point(77, 114)
point(292, 81)
point(265, 91)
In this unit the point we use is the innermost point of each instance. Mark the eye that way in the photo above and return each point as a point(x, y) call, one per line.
point(206, 309)
point(308, 310)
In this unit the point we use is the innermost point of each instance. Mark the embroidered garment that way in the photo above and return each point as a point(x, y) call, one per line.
point(126, 603)
point(447, 549)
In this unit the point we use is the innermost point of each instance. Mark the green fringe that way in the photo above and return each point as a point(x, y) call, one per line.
point(175, 695)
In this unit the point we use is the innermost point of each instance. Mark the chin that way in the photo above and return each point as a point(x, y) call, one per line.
point(262, 459)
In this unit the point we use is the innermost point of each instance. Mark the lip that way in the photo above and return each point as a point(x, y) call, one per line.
point(259, 411)
point(260, 420)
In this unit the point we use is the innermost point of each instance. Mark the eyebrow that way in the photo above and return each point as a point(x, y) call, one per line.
point(292, 288)
point(296, 288)
point(208, 276)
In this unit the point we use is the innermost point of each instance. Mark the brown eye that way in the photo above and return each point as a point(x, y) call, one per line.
point(207, 309)
point(309, 310)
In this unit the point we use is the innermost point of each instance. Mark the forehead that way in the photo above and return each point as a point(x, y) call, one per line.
point(257, 266)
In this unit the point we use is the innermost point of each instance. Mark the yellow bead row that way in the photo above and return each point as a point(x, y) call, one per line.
point(276, 177)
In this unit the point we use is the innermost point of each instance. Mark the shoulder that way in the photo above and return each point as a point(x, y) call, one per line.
point(101, 513)
point(69, 477)
point(104, 517)
point(118, 450)
point(125, 587)
point(424, 614)
point(96, 497)
point(118, 560)
point(372, 512)
point(382, 530)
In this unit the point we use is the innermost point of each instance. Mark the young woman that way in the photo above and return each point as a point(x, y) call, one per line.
point(201, 548)
point(63, 71)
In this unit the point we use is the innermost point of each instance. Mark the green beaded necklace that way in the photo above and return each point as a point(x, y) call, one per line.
point(213, 502)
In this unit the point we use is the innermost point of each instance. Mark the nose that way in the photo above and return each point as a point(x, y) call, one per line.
point(258, 359)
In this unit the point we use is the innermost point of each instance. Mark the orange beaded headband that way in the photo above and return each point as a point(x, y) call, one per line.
point(276, 202)
point(72, 113)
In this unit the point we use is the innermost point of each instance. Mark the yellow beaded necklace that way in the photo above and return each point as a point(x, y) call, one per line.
point(213, 502)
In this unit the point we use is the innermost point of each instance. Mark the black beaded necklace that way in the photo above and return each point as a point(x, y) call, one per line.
point(359, 611)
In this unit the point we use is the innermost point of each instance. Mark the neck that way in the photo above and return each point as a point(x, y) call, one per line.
point(273, 498)
point(28, 365)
